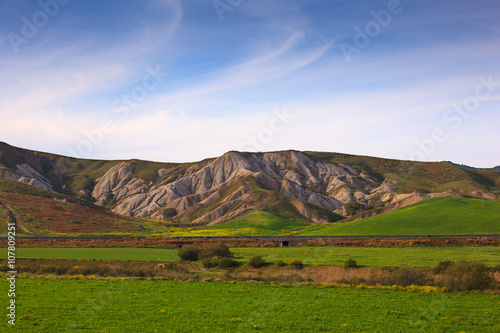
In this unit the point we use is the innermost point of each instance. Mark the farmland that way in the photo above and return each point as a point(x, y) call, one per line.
point(251, 224)
point(335, 256)
point(438, 216)
point(59, 305)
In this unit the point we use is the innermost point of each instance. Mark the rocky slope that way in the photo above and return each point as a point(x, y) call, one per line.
point(311, 186)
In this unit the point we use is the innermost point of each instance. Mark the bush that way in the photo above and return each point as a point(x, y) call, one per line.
point(280, 263)
point(350, 263)
point(297, 264)
point(169, 213)
point(226, 263)
point(189, 253)
point(495, 268)
point(467, 275)
point(441, 267)
point(210, 262)
point(256, 262)
point(407, 275)
point(218, 250)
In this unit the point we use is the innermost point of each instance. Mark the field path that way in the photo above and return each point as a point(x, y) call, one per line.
point(18, 219)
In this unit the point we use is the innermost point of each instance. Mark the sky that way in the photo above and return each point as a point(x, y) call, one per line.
point(180, 81)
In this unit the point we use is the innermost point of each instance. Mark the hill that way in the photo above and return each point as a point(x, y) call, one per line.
point(250, 224)
point(296, 186)
point(438, 216)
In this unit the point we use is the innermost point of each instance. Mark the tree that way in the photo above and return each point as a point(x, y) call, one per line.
point(189, 253)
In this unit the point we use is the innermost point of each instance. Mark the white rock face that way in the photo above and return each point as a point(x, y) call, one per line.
point(27, 175)
point(196, 191)
point(293, 174)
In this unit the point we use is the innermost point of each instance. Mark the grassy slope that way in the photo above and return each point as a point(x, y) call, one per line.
point(43, 215)
point(328, 256)
point(432, 216)
point(251, 224)
point(52, 305)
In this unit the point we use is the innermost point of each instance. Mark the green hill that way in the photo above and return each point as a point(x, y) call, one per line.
point(448, 215)
point(251, 224)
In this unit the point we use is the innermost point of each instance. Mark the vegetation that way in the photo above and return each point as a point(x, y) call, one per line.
point(297, 264)
point(415, 176)
point(58, 305)
point(364, 256)
point(437, 216)
point(256, 262)
point(350, 263)
point(251, 224)
point(225, 263)
point(219, 249)
point(189, 253)
point(280, 263)
point(169, 213)
point(48, 213)
point(467, 275)
point(373, 256)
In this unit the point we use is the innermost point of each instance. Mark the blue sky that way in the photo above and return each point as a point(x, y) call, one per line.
point(176, 81)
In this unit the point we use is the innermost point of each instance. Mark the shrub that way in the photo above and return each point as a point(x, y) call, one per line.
point(441, 267)
point(189, 253)
point(297, 264)
point(352, 207)
point(467, 275)
point(350, 263)
point(280, 263)
point(407, 275)
point(218, 250)
point(210, 262)
point(256, 262)
point(226, 263)
point(169, 213)
point(495, 268)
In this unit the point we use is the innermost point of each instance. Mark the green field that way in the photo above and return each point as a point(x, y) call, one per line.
point(106, 253)
point(365, 256)
point(252, 224)
point(126, 305)
point(374, 256)
point(438, 216)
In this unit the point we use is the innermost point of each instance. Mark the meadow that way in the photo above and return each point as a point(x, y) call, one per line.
point(137, 305)
point(331, 256)
point(251, 224)
point(437, 216)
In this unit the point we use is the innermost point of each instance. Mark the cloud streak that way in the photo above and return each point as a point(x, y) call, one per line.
point(226, 78)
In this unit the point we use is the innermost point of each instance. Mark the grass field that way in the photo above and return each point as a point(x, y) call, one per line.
point(374, 256)
point(57, 305)
point(336, 256)
point(111, 254)
point(252, 224)
point(438, 216)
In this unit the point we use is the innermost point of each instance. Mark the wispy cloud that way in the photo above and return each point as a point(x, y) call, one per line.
point(226, 78)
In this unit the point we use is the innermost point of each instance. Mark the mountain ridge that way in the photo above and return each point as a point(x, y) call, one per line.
point(312, 186)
